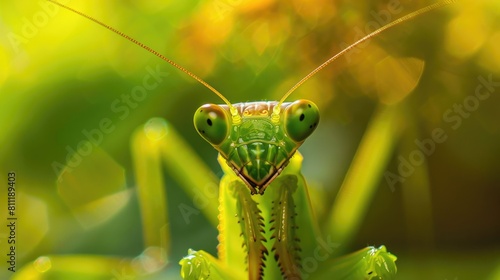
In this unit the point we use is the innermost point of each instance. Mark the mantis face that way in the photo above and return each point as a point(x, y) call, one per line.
point(256, 144)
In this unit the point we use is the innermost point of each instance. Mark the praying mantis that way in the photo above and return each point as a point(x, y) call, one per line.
point(267, 225)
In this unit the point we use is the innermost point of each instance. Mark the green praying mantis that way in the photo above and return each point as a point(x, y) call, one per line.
point(267, 225)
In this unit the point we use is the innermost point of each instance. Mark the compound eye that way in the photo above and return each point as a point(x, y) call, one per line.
point(212, 122)
point(301, 118)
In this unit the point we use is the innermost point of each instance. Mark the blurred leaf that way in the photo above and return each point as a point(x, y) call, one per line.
point(93, 185)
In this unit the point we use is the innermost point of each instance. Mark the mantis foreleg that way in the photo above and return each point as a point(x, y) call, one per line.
point(252, 228)
point(286, 245)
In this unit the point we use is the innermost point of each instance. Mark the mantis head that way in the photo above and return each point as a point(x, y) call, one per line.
point(258, 143)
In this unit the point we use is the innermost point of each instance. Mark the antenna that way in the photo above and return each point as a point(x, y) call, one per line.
point(234, 111)
point(367, 37)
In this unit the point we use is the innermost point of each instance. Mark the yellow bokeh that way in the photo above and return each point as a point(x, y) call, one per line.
point(467, 33)
point(490, 55)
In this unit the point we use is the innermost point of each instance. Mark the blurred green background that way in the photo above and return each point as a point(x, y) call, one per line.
point(61, 76)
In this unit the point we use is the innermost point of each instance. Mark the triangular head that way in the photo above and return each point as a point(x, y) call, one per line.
point(260, 140)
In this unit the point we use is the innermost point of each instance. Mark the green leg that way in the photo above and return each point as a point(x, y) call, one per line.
point(251, 222)
point(293, 210)
point(241, 239)
point(368, 263)
point(200, 265)
point(286, 243)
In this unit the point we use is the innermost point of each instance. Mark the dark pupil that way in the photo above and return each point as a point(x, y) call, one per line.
point(209, 121)
point(302, 117)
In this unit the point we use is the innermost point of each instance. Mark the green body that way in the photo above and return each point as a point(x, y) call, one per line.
point(278, 247)
point(277, 231)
